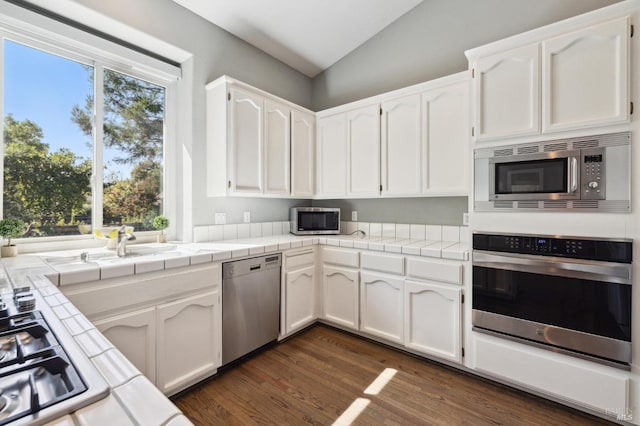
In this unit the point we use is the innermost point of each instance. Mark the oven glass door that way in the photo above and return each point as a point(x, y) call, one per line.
point(318, 221)
point(590, 306)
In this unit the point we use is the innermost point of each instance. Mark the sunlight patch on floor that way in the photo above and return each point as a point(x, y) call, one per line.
point(381, 381)
point(351, 413)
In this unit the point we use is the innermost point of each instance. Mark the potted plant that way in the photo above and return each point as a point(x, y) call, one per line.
point(10, 228)
point(161, 223)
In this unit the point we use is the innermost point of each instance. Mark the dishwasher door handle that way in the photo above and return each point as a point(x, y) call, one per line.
point(255, 267)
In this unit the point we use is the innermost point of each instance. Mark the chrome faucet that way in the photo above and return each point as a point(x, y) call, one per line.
point(123, 237)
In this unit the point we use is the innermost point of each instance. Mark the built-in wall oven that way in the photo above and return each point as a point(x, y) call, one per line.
point(566, 294)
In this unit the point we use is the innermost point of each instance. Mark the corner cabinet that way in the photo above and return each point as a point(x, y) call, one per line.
point(331, 158)
point(299, 290)
point(340, 287)
point(381, 306)
point(303, 145)
point(249, 142)
point(565, 81)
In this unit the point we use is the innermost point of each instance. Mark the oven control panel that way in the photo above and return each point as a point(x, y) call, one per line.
point(606, 250)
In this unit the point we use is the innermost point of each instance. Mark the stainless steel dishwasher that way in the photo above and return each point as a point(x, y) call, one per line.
point(250, 305)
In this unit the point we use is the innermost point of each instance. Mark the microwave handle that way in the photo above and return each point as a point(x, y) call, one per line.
point(573, 174)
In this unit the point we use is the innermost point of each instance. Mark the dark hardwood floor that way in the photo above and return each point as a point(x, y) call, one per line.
point(314, 377)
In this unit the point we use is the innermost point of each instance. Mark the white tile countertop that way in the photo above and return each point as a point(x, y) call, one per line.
point(46, 271)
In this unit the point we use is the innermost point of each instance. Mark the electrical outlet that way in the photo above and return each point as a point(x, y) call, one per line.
point(354, 216)
point(220, 219)
point(247, 217)
point(465, 219)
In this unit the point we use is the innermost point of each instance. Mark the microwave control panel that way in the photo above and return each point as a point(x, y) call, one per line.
point(592, 174)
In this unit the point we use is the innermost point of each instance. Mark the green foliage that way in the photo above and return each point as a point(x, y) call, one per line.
point(11, 228)
point(41, 187)
point(160, 222)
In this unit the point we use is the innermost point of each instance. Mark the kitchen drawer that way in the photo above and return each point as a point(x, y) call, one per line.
point(298, 258)
point(341, 257)
point(448, 272)
point(383, 263)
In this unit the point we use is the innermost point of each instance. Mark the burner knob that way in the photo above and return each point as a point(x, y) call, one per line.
point(27, 303)
point(4, 311)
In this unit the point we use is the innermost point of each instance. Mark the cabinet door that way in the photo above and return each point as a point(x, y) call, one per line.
point(302, 154)
point(300, 298)
point(363, 154)
point(507, 93)
point(340, 287)
point(446, 154)
point(277, 131)
point(401, 146)
point(381, 306)
point(134, 334)
point(432, 319)
point(332, 156)
point(586, 77)
point(189, 341)
point(246, 140)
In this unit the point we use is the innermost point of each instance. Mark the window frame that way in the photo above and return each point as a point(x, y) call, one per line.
point(118, 59)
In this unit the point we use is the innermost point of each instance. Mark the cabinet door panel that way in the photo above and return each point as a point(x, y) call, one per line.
point(446, 157)
point(300, 303)
point(341, 296)
point(332, 155)
point(276, 152)
point(246, 141)
point(302, 154)
point(401, 146)
point(134, 334)
point(507, 93)
point(433, 319)
point(189, 339)
point(381, 306)
point(586, 77)
point(364, 151)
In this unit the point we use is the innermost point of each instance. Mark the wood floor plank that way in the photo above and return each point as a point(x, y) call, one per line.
point(314, 377)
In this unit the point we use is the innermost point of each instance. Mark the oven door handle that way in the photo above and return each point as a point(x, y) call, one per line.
point(573, 174)
point(619, 273)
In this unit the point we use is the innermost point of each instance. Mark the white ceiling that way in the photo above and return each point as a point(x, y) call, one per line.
point(308, 35)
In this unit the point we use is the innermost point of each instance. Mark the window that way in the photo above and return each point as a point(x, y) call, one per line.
point(83, 141)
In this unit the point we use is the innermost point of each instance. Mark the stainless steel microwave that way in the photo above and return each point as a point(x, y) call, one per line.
point(588, 172)
point(314, 220)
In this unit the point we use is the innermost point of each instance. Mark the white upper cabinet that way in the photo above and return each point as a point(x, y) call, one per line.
point(507, 93)
point(363, 151)
point(249, 143)
point(445, 129)
point(401, 146)
point(567, 76)
point(332, 156)
point(585, 77)
point(277, 148)
point(247, 112)
point(303, 137)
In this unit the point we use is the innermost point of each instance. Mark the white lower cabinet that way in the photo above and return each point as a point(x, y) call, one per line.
point(340, 289)
point(432, 319)
point(300, 298)
point(381, 306)
point(188, 342)
point(134, 334)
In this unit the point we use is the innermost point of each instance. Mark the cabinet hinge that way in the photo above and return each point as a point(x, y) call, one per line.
point(380, 110)
point(380, 188)
point(229, 184)
point(463, 352)
point(229, 96)
point(462, 301)
point(631, 33)
point(473, 131)
point(473, 73)
point(631, 109)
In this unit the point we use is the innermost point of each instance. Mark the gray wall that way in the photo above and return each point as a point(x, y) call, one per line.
point(432, 211)
point(429, 42)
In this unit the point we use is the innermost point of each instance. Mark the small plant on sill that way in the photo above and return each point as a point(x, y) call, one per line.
point(161, 223)
point(10, 228)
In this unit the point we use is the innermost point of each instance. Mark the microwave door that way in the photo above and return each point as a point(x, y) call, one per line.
point(547, 176)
